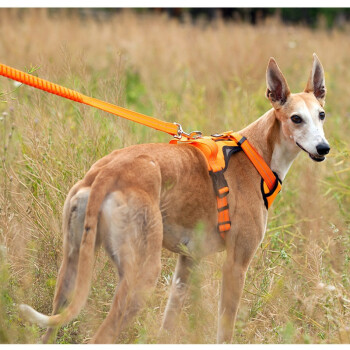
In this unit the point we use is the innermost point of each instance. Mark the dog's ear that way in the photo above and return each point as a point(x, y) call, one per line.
point(277, 88)
point(316, 83)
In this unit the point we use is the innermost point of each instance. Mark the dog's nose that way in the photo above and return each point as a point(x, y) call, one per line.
point(323, 149)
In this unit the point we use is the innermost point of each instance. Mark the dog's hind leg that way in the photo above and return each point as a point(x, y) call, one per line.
point(178, 291)
point(73, 226)
point(134, 242)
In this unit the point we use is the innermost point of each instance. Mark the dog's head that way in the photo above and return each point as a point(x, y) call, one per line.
point(301, 115)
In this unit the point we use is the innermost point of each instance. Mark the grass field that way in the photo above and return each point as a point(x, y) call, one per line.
point(206, 76)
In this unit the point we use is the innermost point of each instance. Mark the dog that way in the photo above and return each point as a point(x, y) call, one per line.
point(138, 199)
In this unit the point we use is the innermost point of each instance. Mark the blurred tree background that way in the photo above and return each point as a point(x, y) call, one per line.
point(312, 17)
point(307, 16)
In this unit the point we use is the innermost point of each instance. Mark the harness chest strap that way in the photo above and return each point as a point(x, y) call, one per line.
point(271, 185)
point(217, 150)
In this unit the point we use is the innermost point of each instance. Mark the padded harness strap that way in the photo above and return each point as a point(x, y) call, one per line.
point(217, 150)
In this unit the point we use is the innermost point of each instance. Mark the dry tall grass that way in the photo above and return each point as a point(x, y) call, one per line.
point(207, 77)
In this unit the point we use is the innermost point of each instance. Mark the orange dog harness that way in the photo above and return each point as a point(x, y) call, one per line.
point(217, 150)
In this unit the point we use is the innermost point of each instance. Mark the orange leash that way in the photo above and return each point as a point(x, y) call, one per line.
point(28, 79)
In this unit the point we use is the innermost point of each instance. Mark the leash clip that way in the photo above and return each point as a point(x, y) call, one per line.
point(192, 135)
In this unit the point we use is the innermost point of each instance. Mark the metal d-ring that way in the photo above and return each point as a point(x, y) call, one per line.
point(192, 135)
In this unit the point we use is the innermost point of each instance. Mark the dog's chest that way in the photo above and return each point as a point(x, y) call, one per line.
point(197, 240)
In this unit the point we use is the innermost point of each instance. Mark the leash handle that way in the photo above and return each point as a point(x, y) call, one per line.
point(28, 79)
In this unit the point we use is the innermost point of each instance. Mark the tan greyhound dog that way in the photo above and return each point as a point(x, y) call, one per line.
point(137, 199)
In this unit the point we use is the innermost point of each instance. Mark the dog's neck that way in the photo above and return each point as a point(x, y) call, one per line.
point(266, 135)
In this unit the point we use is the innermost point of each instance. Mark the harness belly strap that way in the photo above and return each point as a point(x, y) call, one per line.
point(217, 150)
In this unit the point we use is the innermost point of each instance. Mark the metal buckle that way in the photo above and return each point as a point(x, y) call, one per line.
point(192, 135)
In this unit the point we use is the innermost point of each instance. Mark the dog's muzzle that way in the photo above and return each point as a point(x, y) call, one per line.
point(322, 149)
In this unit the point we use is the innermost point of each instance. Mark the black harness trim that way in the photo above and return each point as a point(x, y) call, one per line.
point(219, 181)
point(223, 208)
point(265, 195)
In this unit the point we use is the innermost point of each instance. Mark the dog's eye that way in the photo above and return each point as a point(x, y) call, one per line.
point(296, 119)
point(322, 115)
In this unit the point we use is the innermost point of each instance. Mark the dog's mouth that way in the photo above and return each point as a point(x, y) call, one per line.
point(314, 157)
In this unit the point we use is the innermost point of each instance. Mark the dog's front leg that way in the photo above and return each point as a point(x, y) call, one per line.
point(231, 290)
point(234, 272)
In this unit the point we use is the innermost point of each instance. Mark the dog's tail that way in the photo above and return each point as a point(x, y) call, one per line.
point(99, 189)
